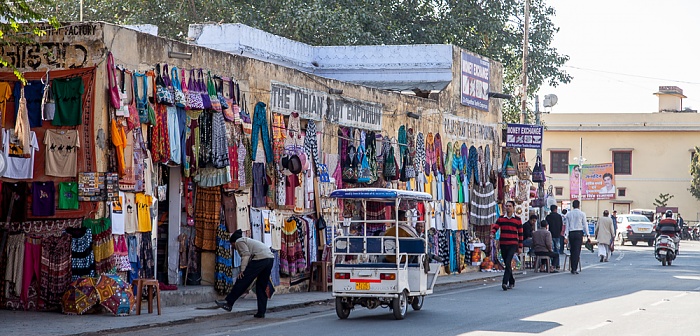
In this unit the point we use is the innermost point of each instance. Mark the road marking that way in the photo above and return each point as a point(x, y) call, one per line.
point(682, 294)
point(622, 255)
point(599, 325)
point(294, 320)
point(698, 288)
point(660, 302)
point(632, 312)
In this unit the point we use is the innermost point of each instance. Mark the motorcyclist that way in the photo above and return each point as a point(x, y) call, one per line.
point(669, 226)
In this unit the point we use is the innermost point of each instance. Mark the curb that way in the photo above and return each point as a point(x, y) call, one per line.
point(249, 312)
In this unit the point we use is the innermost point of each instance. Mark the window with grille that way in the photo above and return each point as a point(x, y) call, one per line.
point(623, 163)
point(559, 162)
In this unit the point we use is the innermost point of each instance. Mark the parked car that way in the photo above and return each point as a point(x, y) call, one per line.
point(635, 228)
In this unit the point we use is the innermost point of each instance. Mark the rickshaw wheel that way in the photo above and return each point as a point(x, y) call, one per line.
point(417, 302)
point(399, 306)
point(341, 308)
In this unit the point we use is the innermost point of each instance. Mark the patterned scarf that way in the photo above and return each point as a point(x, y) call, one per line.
point(429, 153)
point(448, 159)
point(439, 156)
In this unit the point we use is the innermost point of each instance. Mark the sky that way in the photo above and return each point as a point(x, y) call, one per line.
point(608, 40)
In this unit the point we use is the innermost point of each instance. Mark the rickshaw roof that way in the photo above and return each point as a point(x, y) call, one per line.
point(380, 194)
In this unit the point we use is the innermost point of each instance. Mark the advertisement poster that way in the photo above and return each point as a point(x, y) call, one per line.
point(475, 81)
point(595, 181)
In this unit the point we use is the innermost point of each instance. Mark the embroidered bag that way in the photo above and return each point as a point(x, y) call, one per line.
point(194, 97)
point(390, 164)
point(124, 110)
point(163, 95)
point(245, 118)
point(538, 171)
point(349, 166)
point(132, 120)
point(229, 113)
point(141, 103)
point(113, 91)
point(219, 85)
point(203, 92)
point(213, 96)
point(523, 168)
point(178, 95)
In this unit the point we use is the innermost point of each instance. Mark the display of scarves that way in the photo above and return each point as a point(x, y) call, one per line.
point(444, 248)
point(224, 263)
point(483, 203)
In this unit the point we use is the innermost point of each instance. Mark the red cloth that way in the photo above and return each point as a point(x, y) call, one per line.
point(511, 230)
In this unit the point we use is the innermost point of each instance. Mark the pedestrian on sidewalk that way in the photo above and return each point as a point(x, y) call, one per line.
point(604, 235)
point(555, 227)
point(542, 245)
point(564, 224)
point(256, 264)
point(510, 241)
point(575, 230)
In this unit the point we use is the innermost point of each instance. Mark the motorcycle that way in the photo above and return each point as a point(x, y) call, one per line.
point(665, 249)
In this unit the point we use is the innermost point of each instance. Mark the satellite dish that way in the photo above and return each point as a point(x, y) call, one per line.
point(550, 100)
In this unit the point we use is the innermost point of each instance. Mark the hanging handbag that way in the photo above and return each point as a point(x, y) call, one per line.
point(213, 96)
point(141, 102)
point(163, 95)
point(178, 95)
point(350, 166)
point(219, 86)
point(194, 96)
point(229, 114)
point(245, 118)
point(538, 171)
point(523, 168)
point(113, 91)
point(202, 87)
point(132, 120)
point(390, 165)
point(509, 167)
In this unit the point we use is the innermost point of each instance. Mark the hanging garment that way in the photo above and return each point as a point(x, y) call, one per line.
point(483, 205)
point(260, 126)
point(311, 142)
point(82, 257)
point(439, 156)
point(55, 269)
point(224, 262)
point(15, 265)
point(430, 165)
point(242, 212)
point(402, 143)
point(256, 223)
point(448, 159)
point(174, 135)
point(207, 217)
point(260, 185)
point(146, 260)
point(102, 243)
point(276, 231)
point(419, 160)
point(22, 125)
point(473, 165)
point(279, 131)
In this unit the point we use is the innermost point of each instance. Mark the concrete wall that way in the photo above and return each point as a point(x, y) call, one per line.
point(661, 145)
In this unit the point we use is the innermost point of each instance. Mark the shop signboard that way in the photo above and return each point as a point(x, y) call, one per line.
point(475, 81)
point(285, 99)
point(354, 113)
point(597, 181)
point(463, 129)
point(318, 105)
point(524, 136)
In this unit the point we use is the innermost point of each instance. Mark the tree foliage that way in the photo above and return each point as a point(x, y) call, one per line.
point(662, 200)
point(19, 21)
point(491, 28)
point(695, 174)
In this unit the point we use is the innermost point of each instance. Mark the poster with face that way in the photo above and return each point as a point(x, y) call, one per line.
point(592, 181)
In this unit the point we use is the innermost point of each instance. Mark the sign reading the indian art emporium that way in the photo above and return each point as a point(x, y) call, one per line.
point(354, 113)
point(524, 136)
point(475, 82)
point(463, 129)
point(285, 99)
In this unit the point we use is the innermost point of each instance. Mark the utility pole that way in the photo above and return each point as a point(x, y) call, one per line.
point(580, 168)
point(540, 186)
point(526, 29)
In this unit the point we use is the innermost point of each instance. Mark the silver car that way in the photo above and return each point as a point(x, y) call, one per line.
point(635, 228)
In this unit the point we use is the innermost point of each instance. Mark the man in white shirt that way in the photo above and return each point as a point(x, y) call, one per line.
point(576, 228)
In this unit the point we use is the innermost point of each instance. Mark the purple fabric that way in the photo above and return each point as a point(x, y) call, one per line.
point(43, 199)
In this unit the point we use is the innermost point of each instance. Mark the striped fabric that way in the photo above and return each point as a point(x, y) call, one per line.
point(511, 230)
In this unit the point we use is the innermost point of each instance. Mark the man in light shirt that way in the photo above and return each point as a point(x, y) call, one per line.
point(576, 228)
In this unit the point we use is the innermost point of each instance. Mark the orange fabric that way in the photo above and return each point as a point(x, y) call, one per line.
point(119, 141)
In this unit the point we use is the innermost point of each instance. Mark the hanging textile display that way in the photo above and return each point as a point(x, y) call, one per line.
point(55, 269)
point(483, 205)
point(207, 217)
point(224, 262)
point(102, 243)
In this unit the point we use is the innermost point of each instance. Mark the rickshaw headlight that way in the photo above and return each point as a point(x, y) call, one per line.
point(387, 276)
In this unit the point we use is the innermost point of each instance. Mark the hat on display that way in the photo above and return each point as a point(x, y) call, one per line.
point(294, 164)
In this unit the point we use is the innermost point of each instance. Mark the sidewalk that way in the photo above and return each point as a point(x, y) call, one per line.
point(27, 323)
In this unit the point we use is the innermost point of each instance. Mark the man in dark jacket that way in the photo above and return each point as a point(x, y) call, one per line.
point(555, 225)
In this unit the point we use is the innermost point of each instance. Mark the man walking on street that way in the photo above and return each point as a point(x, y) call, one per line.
point(614, 219)
point(555, 227)
point(256, 264)
point(511, 241)
point(575, 230)
point(542, 245)
point(604, 235)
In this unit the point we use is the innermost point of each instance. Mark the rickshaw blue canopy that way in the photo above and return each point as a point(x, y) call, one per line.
point(380, 194)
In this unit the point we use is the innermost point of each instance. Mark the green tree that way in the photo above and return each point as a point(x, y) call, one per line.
point(20, 20)
point(695, 174)
point(662, 200)
point(490, 28)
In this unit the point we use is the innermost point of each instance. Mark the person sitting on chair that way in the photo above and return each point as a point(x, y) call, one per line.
point(542, 245)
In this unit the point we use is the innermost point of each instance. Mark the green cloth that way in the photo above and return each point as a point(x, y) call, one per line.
point(97, 225)
point(68, 195)
point(68, 94)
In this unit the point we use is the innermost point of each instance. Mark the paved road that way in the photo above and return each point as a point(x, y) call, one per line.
point(630, 295)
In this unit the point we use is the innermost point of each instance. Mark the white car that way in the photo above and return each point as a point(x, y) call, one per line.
point(635, 228)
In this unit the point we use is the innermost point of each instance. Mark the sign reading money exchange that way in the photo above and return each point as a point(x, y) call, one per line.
point(524, 136)
point(318, 105)
point(475, 81)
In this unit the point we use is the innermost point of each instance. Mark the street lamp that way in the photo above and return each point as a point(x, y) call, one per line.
point(581, 159)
